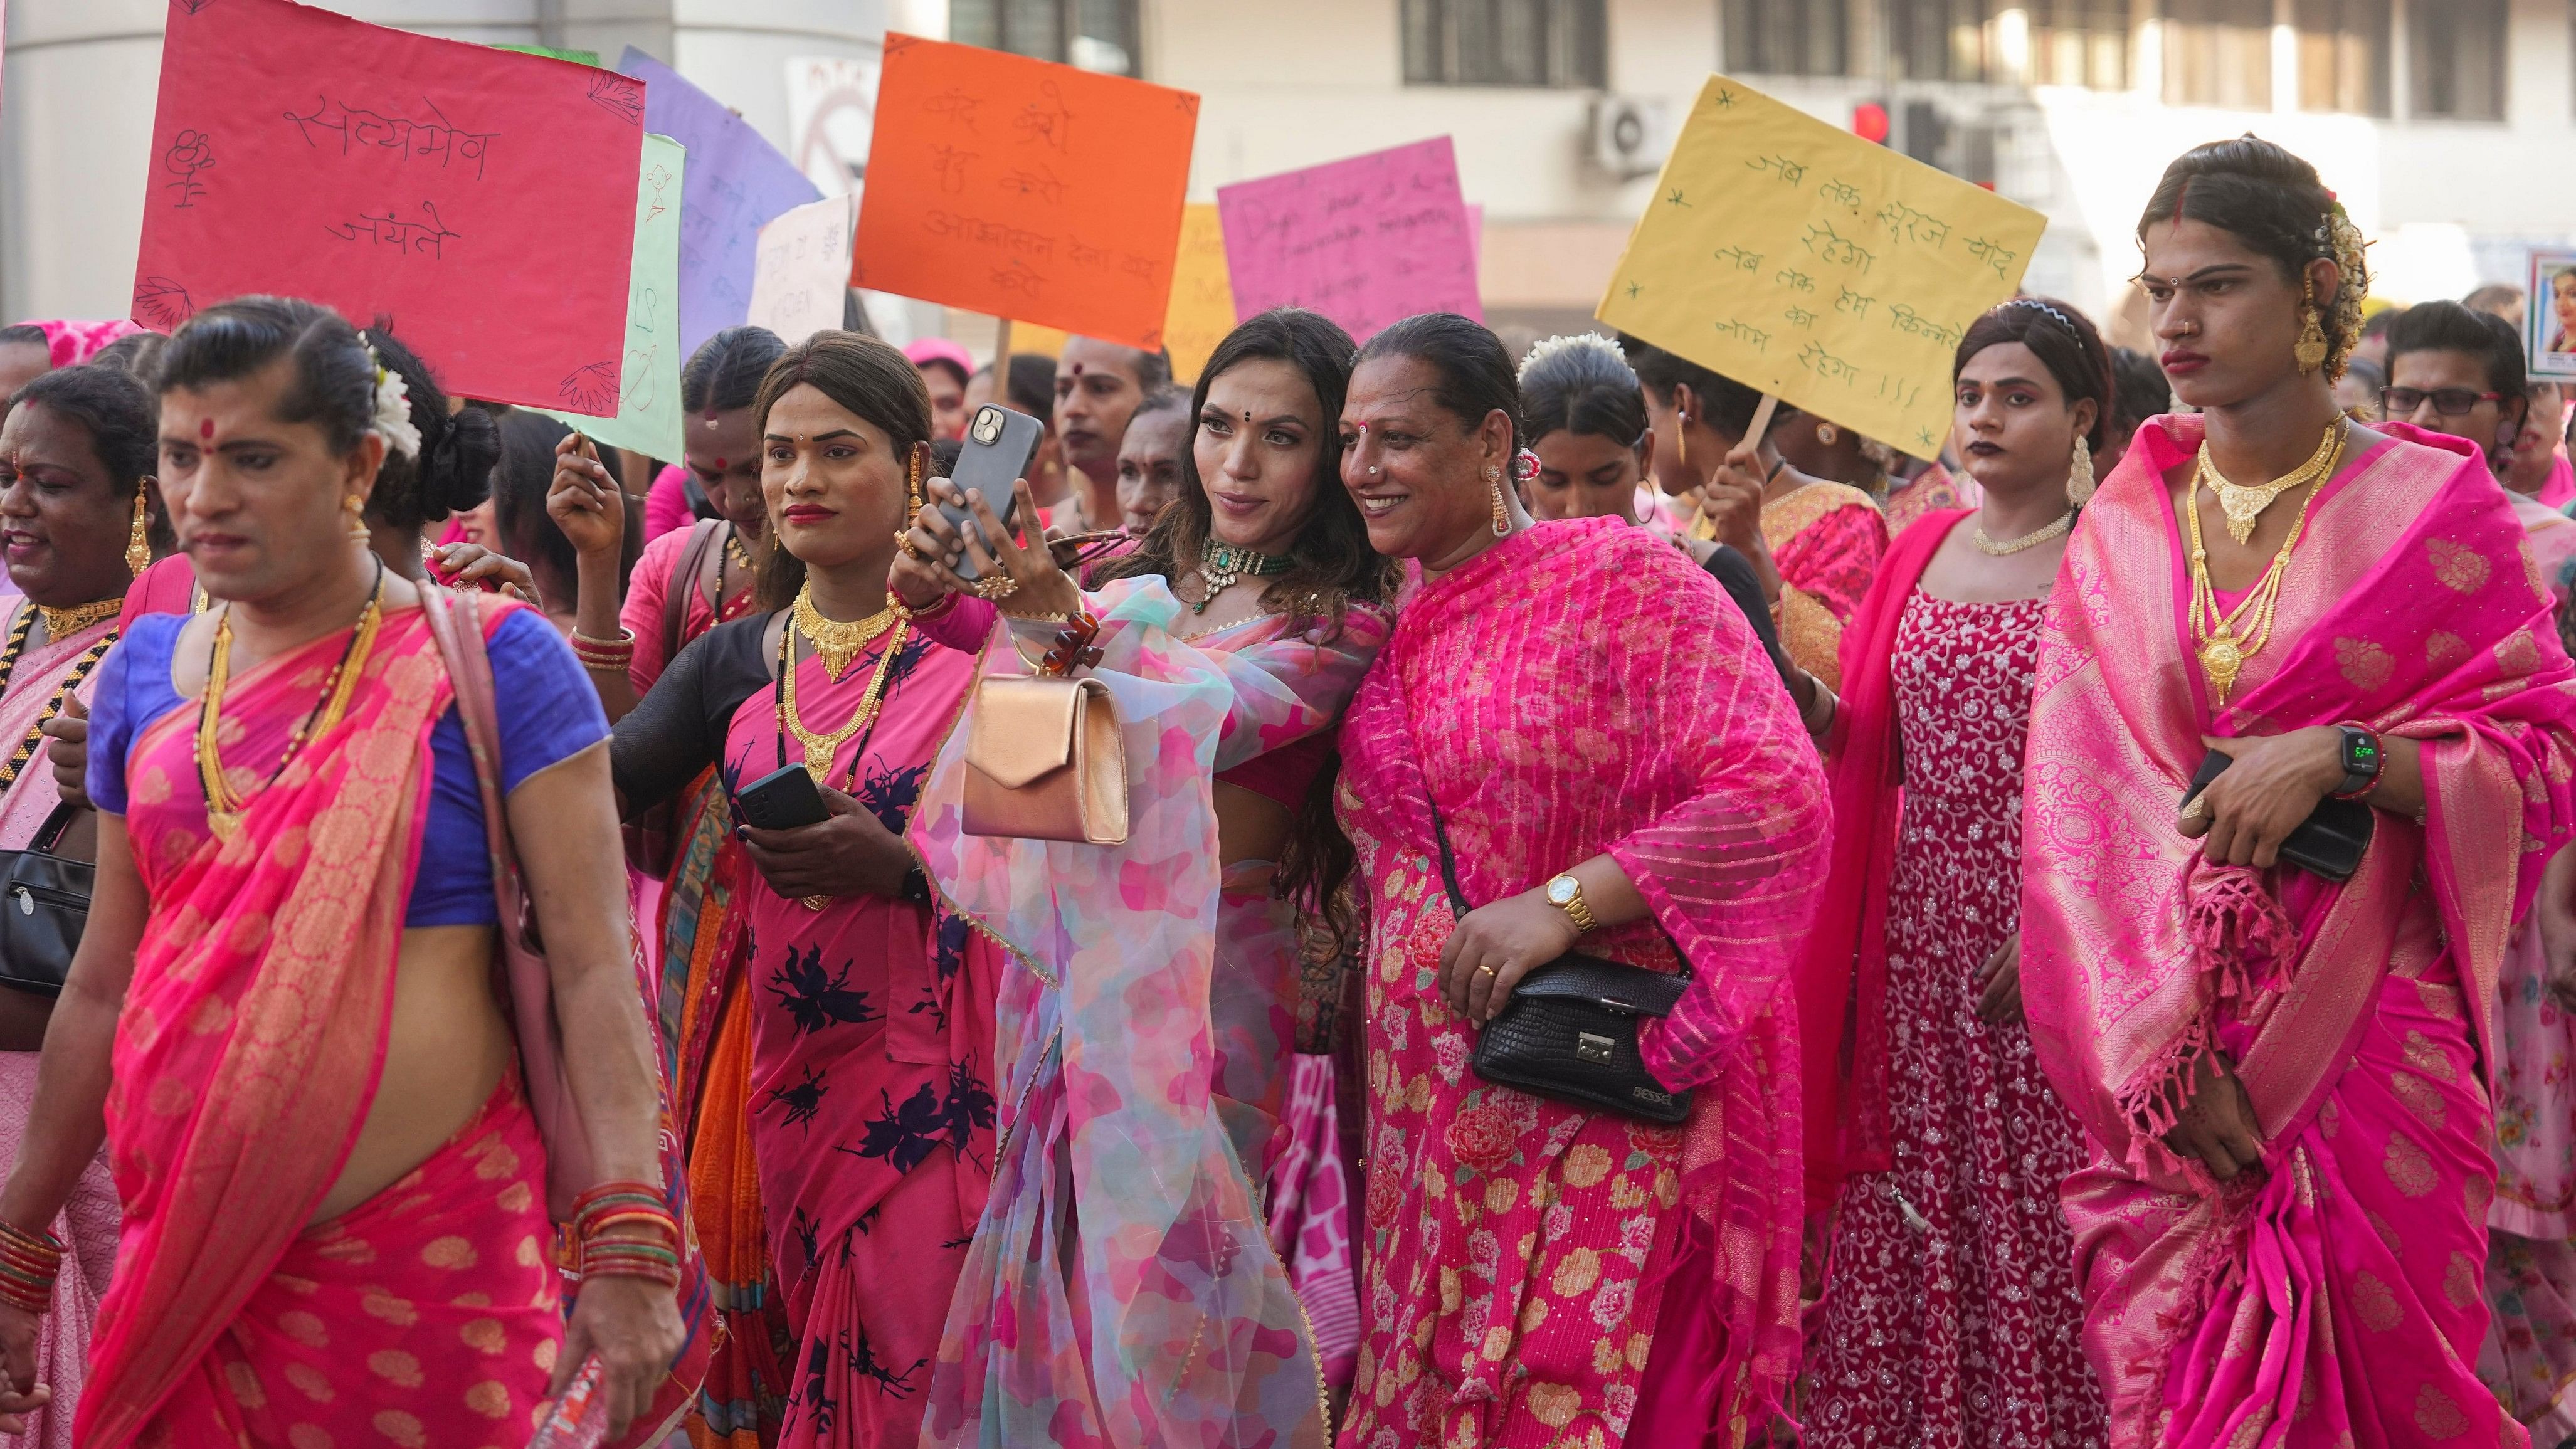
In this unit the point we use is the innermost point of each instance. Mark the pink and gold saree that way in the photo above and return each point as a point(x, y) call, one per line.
point(1533, 1273)
point(2332, 1296)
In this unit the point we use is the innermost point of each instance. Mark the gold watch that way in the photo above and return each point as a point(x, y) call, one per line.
point(1566, 894)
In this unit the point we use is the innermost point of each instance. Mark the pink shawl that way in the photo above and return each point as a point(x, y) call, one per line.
point(71, 343)
point(2412, 606)
point(1843, 1051)
point(33, 696)
point(2560, 488)
point(1566, 694)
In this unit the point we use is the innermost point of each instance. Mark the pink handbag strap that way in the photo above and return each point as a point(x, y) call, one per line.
point(455, 619)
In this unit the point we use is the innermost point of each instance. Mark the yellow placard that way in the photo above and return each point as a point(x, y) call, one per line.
point(1800, 259)
point(1202, 307)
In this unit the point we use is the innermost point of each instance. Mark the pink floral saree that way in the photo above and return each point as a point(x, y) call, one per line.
point(2332, 1297)
point(1122, 1289)
point(1581, 688)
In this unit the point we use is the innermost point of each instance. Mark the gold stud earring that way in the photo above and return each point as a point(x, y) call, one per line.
point(138, 540)
point(2311, 351)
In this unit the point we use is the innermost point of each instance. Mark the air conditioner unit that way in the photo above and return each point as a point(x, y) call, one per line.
point(1630, 136)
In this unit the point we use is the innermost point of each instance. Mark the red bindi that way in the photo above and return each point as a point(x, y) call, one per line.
point(206, 428)
point(720, 465)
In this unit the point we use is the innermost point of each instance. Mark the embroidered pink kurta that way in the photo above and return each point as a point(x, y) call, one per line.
point(1581, 688)
point(2334, 1297)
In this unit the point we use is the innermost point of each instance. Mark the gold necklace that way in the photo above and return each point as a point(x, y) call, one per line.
point(224, 806)
point(2244, 503)
point(836, 643)
point(61, 624)
point(820, 748)
point(2226, 641)
point(2000, 548)
point(1220, 566)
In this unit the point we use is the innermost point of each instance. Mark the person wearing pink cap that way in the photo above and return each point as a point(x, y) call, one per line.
point(944, 367)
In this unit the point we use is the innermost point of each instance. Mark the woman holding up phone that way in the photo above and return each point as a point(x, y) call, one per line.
point(1147, 1041)
point(871, 1025)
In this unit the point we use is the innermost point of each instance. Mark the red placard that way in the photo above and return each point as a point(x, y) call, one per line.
point(1025, 189)
point(481, 200)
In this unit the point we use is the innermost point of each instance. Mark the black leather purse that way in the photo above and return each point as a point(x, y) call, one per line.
point(44, 903)
point(1569, 1031)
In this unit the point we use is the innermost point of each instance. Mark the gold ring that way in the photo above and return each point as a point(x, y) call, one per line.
point(1486, 971)
point(996, 587)
point(903, 540)
point(2195, 807)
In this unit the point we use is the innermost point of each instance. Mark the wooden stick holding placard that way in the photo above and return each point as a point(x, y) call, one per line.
point(1753, 434)
point(1002, 360)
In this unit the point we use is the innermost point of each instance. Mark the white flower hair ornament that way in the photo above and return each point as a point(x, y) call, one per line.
point(392, 420)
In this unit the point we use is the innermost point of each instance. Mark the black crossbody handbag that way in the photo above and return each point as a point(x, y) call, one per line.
point(44, 903)
point(1569, 1031)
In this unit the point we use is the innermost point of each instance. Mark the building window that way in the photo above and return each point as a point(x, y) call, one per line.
point(2078, 43)
point(1093, 34)
point(2343, 55)
point(1787, 37)
point(1506, 43)
point(2218, 53)
point(1938, 39)
point(2455, 54)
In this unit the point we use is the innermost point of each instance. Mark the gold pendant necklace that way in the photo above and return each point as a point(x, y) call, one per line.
point(61, 624)
point(2225, 642)
point(820, 748)
point(2001, 548)
point(2244, 503)
point(836, 643)
point(224, 806)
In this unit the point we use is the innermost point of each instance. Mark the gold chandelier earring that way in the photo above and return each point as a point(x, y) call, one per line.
point(138, 540)
point(2311, 351)
point(912, 486)
point(2079, 475)
point(1494, 489)
point(357, 508)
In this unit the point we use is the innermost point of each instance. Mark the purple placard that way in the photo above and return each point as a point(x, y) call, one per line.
point(1367, 240)
point(733, 184)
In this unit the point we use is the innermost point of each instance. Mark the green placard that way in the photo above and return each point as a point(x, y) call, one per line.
point(578, 57)
point(648, 400)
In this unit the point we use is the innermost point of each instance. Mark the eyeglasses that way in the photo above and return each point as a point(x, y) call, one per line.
point(2450, 402)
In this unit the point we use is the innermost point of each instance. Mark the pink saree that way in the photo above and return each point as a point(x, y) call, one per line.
point(2334, 1296)
point(246, 1059)
point(1122, 1289)
point(37, 682)
point(1564, 694)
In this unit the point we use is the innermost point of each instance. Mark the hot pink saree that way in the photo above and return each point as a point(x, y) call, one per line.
point(1564, 694)
point(246, 1059)
point(2332, 1297)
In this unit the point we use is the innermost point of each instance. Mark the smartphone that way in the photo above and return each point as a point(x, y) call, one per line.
point(2328, 844)
point(1000, 445)
point(784, 799)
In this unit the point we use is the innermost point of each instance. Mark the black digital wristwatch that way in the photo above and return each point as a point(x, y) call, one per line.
point(2362, 761)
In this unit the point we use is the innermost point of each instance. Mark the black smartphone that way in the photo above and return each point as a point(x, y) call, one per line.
point(2328, 844)
point(1000, 445)
point(784, 799)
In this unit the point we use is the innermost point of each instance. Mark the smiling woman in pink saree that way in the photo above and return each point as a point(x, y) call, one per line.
point(1612, 756)
point(2281, 1232)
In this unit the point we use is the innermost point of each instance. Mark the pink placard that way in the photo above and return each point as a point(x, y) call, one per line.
point(1366, 241)
point(480, 199)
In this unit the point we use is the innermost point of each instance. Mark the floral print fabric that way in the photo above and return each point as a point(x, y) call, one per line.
point(1950, 1315)
point(1577, 688)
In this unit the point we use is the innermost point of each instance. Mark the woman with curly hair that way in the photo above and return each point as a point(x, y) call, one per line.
point(2278, 1036)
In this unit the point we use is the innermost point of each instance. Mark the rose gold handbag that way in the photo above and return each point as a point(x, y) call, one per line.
point(1045, 761)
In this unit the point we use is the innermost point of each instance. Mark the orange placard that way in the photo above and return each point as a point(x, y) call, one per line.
point(1024, 189)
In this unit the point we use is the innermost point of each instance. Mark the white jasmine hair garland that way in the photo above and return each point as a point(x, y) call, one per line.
point(392, 421)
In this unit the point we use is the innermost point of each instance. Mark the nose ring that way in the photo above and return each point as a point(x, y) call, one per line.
point(1372, 471)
